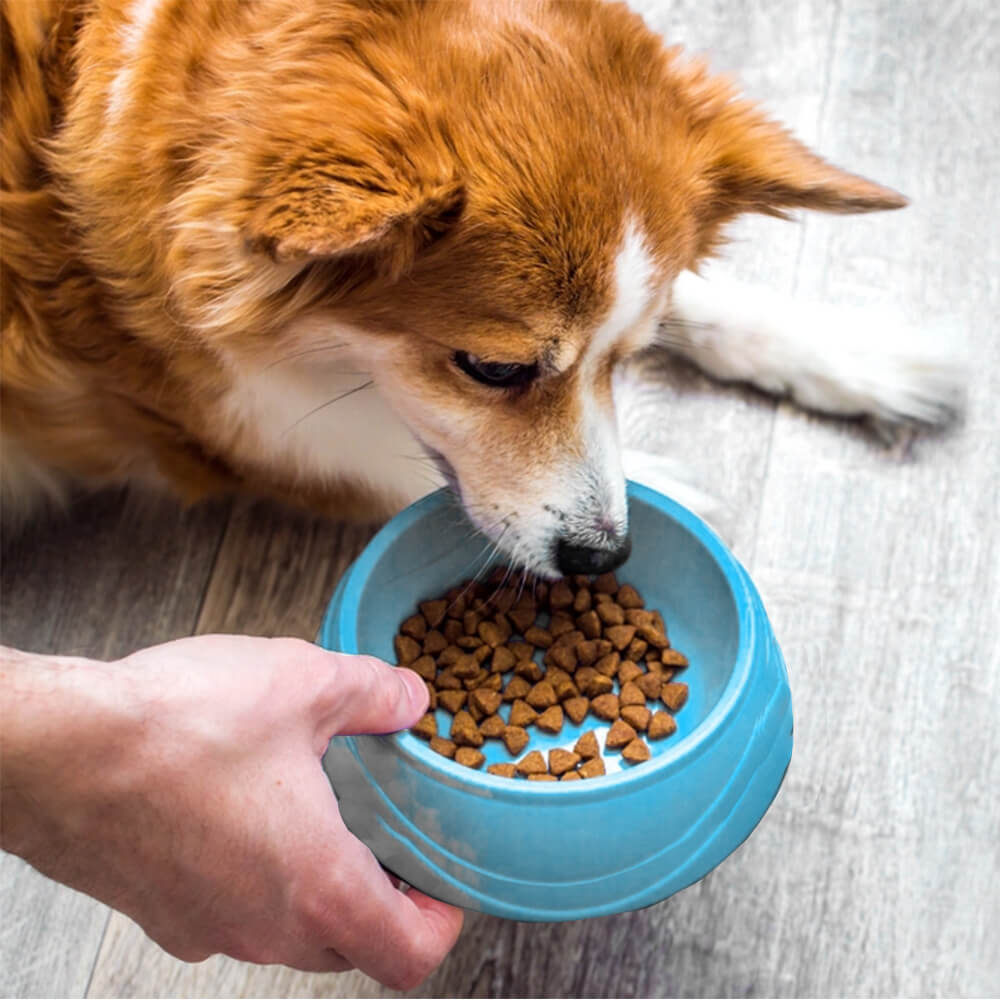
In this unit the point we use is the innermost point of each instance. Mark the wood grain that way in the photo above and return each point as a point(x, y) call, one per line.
point(114, 574)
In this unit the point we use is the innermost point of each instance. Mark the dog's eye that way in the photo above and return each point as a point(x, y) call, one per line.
point(501, 374)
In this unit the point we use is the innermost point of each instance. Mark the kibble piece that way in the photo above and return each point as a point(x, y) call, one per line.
point(620, 734)
point(606, 583)
point(629, 670)
point(415, 626)
point(590, 624)
point(503, 660)
point(650, 684)
point(492, 727)
point(538, 637)
point(521, 713)
point(568, 638)
point(433, 612)
point(407, 649)
point(522, 617)
point(602, 647)
point(566, 689)
point(561, 761)
point(447, 681)
point(470, 757)
point(636, 649)
point(611, 613)
point(576, 709)
point(444, 747)
point(561, 624)
point(672, 658)
point(453, 701)
point(533, 763)
point(502, 770)
point(464, 730)
point(563, 657)
point(425, 666)
point(586, 652)
point(654, 636)
point(605, 706)
point(582, 601)
point(571, 776)
point(662, 724)
point(529, 670)
point(518, 687)
point(542, 695)
point(560, 595)
point(637, 716)
point(587, 746)
point(542, 777)
point(478, 679)
point(631, 694)
point(426, 728)
point(485, 700)
point(521, 650)
point(465, 666)
point(452, 630)
point(551, 720)
point(492, 682)
point(515, 739)
point(628, 597)
point(592, 768)
point(450, 655)
point(432, 696)
point(636, 752)
point(620, 635)
point(594, 684)
point(470, 622)
point(434, 642)
point(638, 617)
point(490, 633)
point(608, 665)
point(674, 695)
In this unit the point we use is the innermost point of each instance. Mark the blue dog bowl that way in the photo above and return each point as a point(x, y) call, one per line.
point(548, 851)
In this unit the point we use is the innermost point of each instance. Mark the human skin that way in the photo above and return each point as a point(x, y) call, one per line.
point(183, 786)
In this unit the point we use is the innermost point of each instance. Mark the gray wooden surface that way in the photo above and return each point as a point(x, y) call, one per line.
point(877, 871)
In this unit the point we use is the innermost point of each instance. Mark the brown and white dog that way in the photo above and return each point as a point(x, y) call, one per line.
point(270, 245)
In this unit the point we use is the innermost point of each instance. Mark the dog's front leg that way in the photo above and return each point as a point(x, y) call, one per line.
point(848, 362)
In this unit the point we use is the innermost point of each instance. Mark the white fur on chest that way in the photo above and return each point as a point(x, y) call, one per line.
point(321, 423)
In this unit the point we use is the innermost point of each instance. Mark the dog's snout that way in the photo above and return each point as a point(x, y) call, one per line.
point(572, 558)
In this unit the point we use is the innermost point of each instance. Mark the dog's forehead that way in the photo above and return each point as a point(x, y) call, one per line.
point(630, 295)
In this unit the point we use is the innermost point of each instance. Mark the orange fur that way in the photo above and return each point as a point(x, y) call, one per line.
point(446, 176)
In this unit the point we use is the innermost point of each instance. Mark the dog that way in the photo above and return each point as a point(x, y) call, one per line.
point(288, 247)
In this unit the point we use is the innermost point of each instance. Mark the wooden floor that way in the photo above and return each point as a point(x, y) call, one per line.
point(877, 871)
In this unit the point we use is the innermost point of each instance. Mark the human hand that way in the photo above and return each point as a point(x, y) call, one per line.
point(182, 785)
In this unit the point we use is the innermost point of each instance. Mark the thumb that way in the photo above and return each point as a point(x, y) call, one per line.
point(363, 694)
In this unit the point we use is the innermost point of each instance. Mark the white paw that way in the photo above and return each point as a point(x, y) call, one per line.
point(871, 363)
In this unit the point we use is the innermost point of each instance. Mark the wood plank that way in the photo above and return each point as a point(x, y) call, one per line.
point(115, 573)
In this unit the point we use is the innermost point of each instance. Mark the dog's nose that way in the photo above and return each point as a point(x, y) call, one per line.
point(571, 558)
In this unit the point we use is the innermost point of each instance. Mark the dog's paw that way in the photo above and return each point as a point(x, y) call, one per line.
point(873, 365)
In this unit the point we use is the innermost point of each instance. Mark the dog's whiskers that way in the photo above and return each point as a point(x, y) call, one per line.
point(329, 402)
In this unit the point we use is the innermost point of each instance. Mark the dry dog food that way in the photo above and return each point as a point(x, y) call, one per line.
point(602, 654)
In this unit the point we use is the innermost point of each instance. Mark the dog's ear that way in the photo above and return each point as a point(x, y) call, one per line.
point(322, 208)
point(752, 164)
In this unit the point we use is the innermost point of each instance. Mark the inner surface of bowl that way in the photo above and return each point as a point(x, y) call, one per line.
point(672, 567)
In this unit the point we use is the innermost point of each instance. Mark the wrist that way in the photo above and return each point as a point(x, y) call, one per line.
point(62, 724)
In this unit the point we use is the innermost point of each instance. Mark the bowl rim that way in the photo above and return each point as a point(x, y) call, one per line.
point(687, 749)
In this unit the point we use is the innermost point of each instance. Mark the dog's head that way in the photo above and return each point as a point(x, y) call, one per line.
point(492, 204)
